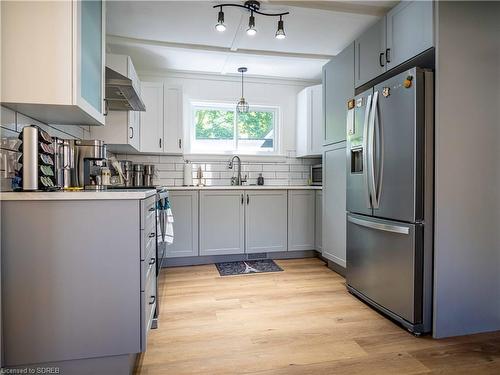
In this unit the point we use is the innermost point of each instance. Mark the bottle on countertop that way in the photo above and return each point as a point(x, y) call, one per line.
point(260, 179)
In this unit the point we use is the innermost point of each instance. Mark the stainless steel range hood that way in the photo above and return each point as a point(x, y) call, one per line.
point(121, 94)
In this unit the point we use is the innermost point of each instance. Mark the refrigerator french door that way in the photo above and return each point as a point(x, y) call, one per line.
point(390, 198)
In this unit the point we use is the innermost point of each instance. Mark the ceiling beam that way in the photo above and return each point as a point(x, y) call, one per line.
point(372, 8)
point(120, 40)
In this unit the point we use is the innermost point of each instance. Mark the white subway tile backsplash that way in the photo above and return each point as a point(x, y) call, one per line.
point(293, 171)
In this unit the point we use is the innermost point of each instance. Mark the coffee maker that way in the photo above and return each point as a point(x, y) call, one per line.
point(90, 158)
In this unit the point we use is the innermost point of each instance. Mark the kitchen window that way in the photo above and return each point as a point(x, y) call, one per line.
point(220, 129)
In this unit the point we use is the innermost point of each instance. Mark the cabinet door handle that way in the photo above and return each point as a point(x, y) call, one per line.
point(152, 209)
point(180, 143)
point(153, 299)
point(160, 142)
point(105, 107)
point(248, 199)
point(151, 235)
point(242, 199)
point(380, 57)
point(131, 132)
point(152, 261)
point(388, 55)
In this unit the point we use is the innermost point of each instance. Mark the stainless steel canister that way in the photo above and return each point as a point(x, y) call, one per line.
point(127, 169)
point(64, 159)
point(149, 173)
point(138, 175)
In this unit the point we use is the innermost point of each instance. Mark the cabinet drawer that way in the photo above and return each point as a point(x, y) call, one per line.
point(148, 270)
point(148, 212)
point(148, 305)
point(148, 241)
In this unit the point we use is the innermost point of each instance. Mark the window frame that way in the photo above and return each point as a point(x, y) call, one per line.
point(232, 107)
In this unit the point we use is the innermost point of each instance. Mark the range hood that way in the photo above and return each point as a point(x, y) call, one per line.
point(121, 94)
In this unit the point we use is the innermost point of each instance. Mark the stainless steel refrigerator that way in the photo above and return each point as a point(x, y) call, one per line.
point(390, 198)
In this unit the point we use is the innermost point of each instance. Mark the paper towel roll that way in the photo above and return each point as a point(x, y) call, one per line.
point(188, 174)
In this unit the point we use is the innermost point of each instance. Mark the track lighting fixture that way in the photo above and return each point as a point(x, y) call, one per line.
point(220, 21)
point(254, 7)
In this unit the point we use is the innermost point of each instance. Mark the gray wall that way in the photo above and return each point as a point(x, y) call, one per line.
point(467, 222)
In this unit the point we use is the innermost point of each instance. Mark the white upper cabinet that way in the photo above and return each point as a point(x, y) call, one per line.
point(151, 123)
point(53, 60)
point(405, 32)
point(409, 31)
point(161, 123)
point(309, 134)
point(121, 132)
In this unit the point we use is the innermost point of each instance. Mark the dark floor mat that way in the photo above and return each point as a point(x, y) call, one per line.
point(247, 266)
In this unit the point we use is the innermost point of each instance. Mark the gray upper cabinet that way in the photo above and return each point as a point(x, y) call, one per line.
point(405, 32)
point(409, 31)
point(338, 89)
point(301, 210)
point(370, 53)
point(266, 221)
point(222, 222)
point(185, 210)
point(334, 204)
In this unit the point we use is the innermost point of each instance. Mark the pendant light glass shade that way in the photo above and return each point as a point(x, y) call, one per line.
point(220, 22)
point(242, 106)
point(280, 33)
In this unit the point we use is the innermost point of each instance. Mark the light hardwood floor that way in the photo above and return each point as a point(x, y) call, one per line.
point(300, 322)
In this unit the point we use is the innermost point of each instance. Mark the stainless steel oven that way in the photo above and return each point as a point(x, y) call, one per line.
point(317, 174)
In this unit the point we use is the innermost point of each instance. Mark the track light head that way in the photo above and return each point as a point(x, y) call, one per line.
point(220, 22)
point(251, 25)
point(280, 33)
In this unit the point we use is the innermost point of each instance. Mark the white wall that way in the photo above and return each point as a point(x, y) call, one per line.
point(467, 206)
point(258, 91)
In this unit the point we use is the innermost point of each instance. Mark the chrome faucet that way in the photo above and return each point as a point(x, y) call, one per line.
point(239, 180)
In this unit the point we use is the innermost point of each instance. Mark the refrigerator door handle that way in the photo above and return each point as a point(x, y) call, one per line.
point(379, 226)
point(366, 155)
point(371, 151)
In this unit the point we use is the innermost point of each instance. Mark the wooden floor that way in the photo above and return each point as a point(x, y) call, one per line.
point(300, 322)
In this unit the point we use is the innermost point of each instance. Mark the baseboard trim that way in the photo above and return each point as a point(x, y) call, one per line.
point(209, 259)
point(336, 267)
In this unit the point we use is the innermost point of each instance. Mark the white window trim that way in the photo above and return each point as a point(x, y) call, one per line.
point(277, 153)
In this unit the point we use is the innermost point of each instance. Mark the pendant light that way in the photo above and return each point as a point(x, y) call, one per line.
point(242, 106)
point(220, 22)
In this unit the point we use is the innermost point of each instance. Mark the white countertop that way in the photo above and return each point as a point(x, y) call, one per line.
point(78, 195)
point(247, 187)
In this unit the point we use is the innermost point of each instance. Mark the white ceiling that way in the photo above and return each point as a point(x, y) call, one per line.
point(180, 35)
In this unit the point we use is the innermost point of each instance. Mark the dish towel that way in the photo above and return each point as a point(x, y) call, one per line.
point(169, 227)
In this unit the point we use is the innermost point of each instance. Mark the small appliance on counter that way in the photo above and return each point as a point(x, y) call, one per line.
point(90, 158)
point(37, 160)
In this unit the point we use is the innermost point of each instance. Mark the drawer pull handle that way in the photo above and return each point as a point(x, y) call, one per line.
point(151, 209)
point(152, 261)
point(153, 299)
point(151, 235)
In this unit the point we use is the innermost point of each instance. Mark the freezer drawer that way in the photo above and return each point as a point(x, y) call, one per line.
point(384, 264)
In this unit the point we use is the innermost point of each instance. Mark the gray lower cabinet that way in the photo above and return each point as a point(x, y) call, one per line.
point(334, 204)
point(184, 206)
point(319, 220)
point(265, 221)
point(222, 222)
point(301, 212)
